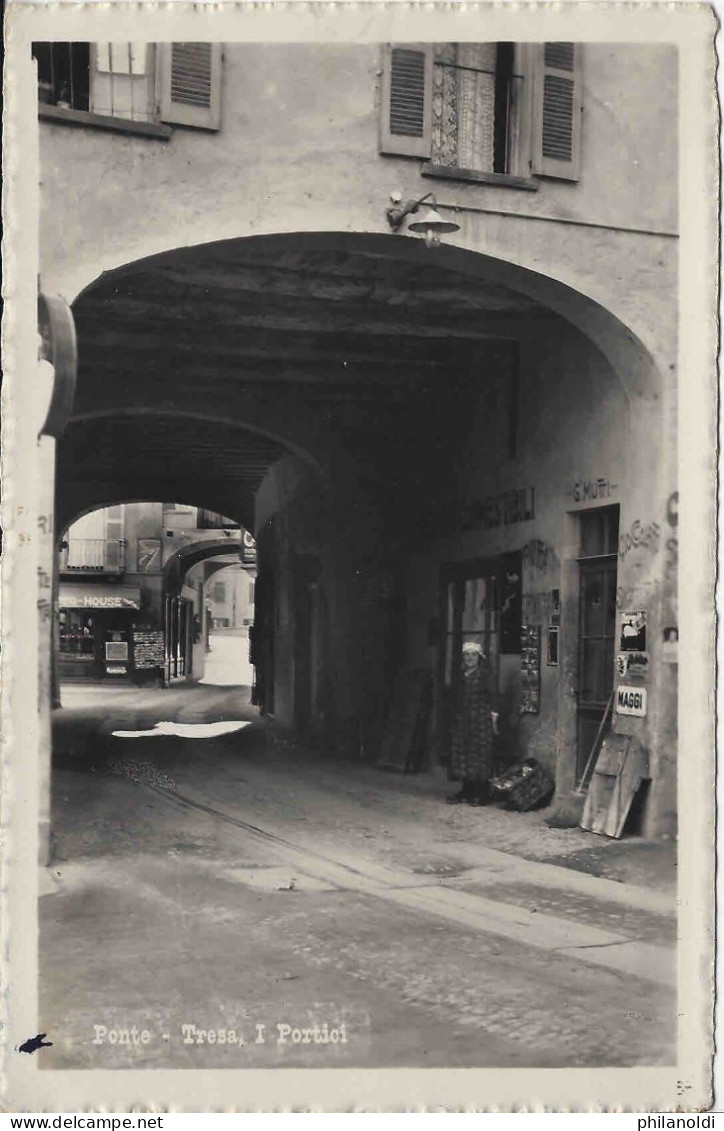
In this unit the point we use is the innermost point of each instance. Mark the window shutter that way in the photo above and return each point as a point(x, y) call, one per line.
point(189, 84)
point(557, 132)
point(406, 105)
point(114, 517)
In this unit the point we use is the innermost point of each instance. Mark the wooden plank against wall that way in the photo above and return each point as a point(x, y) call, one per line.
point(619, 773)
point(405, 737)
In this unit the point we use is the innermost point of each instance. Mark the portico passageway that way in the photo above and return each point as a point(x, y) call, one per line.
point(372, 412)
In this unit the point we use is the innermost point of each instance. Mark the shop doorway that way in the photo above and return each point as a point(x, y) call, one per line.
point(94, 645)
point(470, 612)
point(179, 635)
point(598, 557)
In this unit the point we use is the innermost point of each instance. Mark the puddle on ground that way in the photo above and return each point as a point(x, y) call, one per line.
point(184, 730)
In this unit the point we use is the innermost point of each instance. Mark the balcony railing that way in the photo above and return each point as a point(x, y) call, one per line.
point(93, 555)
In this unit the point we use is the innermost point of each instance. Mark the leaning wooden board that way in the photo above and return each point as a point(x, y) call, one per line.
point(405, 738)
point(617, 777)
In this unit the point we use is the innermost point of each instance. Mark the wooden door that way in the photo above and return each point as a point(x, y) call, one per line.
point(597, 625)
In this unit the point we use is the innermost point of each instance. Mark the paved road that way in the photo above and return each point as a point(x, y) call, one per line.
point(227, 661)
point(223, 884)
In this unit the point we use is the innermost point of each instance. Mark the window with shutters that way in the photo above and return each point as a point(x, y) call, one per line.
point(148, 86)
point(557, 109)
point(476, 92)
point(493, 112)
point(189, 84)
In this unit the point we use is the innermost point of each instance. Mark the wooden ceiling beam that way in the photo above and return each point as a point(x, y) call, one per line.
point(245, 342)
point(415, 288)
point(140, 366)
point(261, 314)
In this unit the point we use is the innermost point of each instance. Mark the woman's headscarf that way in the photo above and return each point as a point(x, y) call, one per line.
point(472, 646)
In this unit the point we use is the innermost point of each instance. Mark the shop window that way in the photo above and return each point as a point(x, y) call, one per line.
point(484, 110)
point(76, 636)
point(174, 83)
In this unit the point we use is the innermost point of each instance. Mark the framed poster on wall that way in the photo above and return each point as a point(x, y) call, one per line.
point(149, 555)
point(530, 669)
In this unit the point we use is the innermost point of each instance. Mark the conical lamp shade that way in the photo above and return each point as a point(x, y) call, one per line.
point(431, 220)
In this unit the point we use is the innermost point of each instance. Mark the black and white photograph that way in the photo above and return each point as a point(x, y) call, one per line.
point(342, 553)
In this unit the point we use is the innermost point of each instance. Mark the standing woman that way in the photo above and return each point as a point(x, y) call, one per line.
point(475, 723)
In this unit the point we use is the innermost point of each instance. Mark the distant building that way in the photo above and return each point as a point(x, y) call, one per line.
point(132, 595)
point(230, 597)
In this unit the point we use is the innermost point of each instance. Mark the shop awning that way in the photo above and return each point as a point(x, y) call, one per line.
point(100, 597)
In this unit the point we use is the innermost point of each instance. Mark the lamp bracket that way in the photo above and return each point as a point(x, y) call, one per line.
point(397, 212)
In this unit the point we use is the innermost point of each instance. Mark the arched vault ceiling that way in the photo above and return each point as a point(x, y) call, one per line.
point(316, 347)
point(222, 317)
point(109, 459)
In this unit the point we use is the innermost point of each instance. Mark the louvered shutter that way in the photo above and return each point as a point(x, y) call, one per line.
point(557, 132)
point(406, 104)
point(189, 84)
point(114, 517)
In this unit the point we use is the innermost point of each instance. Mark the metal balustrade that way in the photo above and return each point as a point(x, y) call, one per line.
point(93, 555)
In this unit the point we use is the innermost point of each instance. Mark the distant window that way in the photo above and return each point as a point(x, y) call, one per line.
point(475, 103)
point(218, 592)
point(176, 83)
point(484, 108)
point(64, 74)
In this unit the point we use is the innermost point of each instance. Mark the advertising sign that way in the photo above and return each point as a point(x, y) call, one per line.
point(633, 664)
point(248, 548)
point(631, 701)
point(99, 597)
point(530, 669)
point(149, 554)
point(633, 631)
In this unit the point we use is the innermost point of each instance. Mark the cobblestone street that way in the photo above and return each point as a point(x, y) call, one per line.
point(224, 884)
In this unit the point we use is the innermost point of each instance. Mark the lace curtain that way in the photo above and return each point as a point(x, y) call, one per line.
point(463, 105)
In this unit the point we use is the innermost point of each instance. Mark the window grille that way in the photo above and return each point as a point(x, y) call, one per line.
point(63, 74)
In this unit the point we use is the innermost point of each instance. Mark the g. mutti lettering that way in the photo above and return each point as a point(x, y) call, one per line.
point(587, 489)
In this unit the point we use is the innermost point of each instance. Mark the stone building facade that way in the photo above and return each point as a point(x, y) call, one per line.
point(430, 443)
